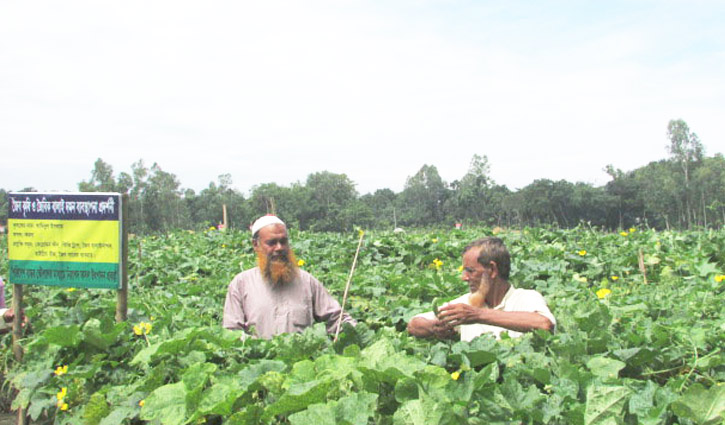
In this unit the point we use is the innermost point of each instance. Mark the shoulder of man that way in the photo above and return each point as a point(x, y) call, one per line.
point(245, 276)
point(522, 292)
point(306, 277)
point(521, 298)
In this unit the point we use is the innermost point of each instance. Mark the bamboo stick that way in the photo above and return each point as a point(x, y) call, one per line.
point(347, 286)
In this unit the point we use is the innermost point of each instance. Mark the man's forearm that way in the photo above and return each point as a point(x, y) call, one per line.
point(520, 321)
point(420, 327)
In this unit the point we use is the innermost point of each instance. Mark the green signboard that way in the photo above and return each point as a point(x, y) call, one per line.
point(65, 239)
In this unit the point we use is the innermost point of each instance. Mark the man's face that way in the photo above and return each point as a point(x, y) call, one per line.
point(272, 241)
point(274, 256)
point(473, 271)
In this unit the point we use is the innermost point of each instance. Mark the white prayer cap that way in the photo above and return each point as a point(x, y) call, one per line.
point(264, 221)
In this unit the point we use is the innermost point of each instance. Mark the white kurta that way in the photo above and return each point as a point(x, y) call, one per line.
point(275, 309)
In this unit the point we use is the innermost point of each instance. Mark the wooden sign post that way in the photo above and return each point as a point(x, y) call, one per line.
point(75, 240)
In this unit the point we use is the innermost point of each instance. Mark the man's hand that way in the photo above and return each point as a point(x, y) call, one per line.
point(426, 328)
point(8, 316)
point(459, 314)
point(441, 330)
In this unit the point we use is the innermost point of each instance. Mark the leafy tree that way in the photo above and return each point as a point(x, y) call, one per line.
point(687, 151)
point(422, 200)
point(626, 205)
point(328, 196)
point(101, 180)
point(137, 217)
point(684, 190)
point(472, 197)
point(207, 207)
point(381, 204)
point(589, 204)
point(685, 146)
point(709, 186)
point(162, 203)
point(657, 188)
point(270, 198)
point(3, 207)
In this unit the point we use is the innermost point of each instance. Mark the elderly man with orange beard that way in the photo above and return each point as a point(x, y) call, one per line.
point(276, 296)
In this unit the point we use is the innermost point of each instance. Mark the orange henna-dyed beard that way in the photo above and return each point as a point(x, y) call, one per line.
point(278, 269)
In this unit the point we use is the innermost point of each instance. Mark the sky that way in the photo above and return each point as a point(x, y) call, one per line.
point(272, 91)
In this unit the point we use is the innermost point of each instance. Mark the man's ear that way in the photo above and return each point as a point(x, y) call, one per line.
point(494, 269)
point(255, 243)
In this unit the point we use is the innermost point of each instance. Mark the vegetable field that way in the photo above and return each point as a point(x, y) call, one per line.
point(635, 343)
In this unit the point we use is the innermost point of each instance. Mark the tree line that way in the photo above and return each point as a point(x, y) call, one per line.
point(685, 190)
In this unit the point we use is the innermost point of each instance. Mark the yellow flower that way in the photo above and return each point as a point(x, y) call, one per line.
point(615, 277)
point(71, 289)
point(455, 375)
point(360, 232)
point(632, 230)
point(583, 252)
point(61, 395)
point(581, 279)
point(141, 403)
point(435, 240)
point(437, 264)
point(224, 246)
point(300, 262)
point(602, 293)
point(142, 328)
point(64, 407)
point(719, 278)
point(61, 370)
point(623, 233)
point(152, 318)
point(212, 228)
point(460, 268)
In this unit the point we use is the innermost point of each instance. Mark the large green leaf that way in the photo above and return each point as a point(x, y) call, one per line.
point(355, 409)
point(197, 375)
point(102, 335)
point(166, 404)
point(605, 404)
point(386, 364)
point(219, 398)
point(119, 415)
point(250, 415)
point(317, 414)
point(406, 389)
point(249, 375)
point(702, 406)
point(416, 412)
point(605, 367)
point(298, 397)
point(65, 336)
point(96, 409)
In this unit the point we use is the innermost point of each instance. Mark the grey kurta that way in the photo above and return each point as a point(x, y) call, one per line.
point(276, 309)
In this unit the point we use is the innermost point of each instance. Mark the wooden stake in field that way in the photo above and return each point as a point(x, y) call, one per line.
point(641, 266)
point(224, 216)
point(347, 286)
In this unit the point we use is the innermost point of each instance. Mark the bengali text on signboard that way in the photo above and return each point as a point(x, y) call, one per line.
point(65, 239)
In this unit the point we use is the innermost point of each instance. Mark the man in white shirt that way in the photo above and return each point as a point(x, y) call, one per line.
point(493, 306)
